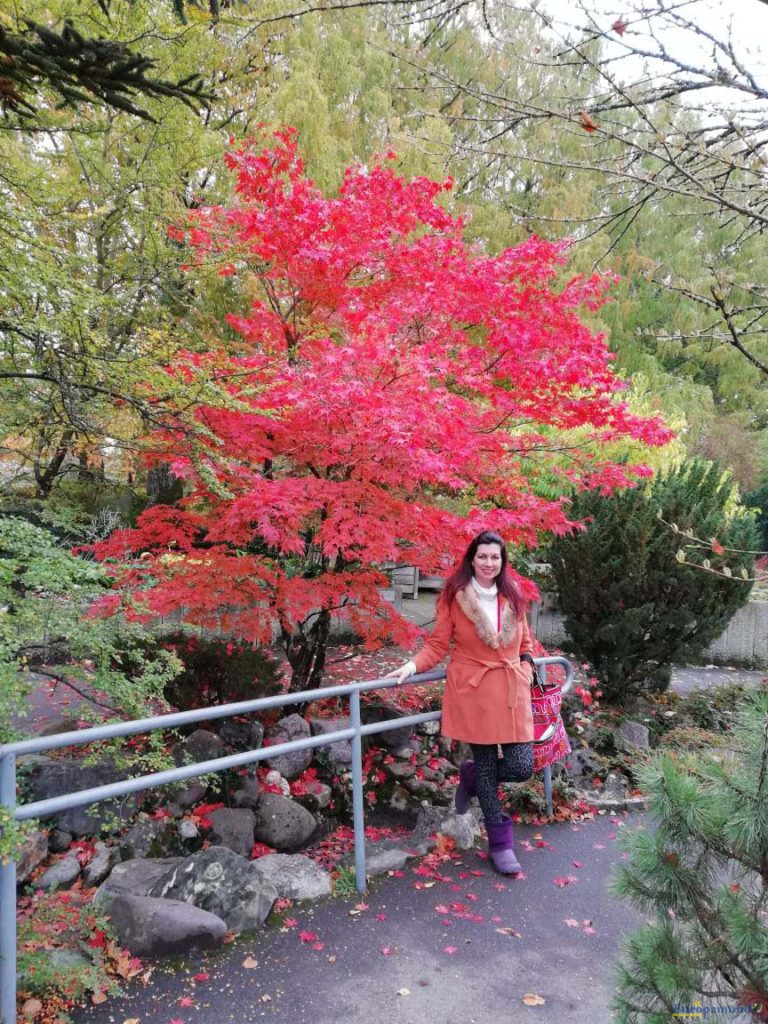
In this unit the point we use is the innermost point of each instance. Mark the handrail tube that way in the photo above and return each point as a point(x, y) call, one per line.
point(44, 808)
point(399, 723)
point(8, 902)
point(78, 737)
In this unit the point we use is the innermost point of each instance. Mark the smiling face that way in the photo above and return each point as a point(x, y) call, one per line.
point(486, 565)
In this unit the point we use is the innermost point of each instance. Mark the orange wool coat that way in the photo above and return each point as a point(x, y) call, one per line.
point(487, 689)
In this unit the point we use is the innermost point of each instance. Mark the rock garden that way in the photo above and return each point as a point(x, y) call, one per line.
point(107, 889)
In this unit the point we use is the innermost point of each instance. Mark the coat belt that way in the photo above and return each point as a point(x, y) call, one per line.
point(485, 665)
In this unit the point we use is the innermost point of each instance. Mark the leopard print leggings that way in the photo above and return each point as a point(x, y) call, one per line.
point(515, 765)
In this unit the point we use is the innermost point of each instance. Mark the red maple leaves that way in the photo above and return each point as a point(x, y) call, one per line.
point(391, 391)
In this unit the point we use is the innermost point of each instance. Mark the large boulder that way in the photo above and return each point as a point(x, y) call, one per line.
point(135, 877)
point(314, 795)
point(249, 793)
point(221, 882)
point(462, 828)
point(233, 828)
point(58, 841)
point(295, 877)
point(243, 735)
point(55, 778)
point(582, 762)
point(292, 727)
point(61, 875)
point(147, 926)
point(194, 792)
point(33, 852)
point(100, 865)
point(149, 837)
point(380, 711)
point(201, 745)
point(635, 734)
point(379, 862)
point(281, 823)
point(339, 752)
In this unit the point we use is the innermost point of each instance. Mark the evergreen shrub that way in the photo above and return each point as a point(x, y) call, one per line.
point(699, 878)
point(759, 500)
point(631, 609)
point(219, 671)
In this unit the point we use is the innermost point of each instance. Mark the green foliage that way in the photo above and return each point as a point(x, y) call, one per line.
point(344, 882)
point(700, 875)
point(219, 672)
point(12, 834)
point(67, 950)
point(45, 592)
point(631, 609)
point(759, 499)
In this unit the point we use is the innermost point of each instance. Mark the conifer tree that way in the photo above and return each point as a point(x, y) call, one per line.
point(632, 607)
point(702, 874)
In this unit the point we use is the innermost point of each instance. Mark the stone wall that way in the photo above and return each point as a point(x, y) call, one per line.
point(744, 642)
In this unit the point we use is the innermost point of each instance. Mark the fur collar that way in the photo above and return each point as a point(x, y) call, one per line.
point(469, 603)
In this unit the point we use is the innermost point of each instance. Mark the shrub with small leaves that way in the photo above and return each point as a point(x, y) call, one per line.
point(218, 671)
point(632, 609)
point(67, 951)
point(45, 596)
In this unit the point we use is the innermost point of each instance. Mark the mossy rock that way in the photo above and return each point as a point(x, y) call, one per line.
point(691, 737)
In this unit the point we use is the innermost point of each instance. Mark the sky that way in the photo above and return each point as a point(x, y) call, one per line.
point(746, 20)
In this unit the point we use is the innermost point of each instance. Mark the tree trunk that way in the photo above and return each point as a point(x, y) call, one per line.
point(305, 650)
point(46, 477)
point(163, 488)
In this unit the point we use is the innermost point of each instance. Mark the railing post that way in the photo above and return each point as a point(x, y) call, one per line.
point(357, 790)
point(8, 901)
point(547, 768)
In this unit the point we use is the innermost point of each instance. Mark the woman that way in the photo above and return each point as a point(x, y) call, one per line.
point(487, 700)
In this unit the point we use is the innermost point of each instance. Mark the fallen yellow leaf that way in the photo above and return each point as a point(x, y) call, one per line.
point(532, 999)
point(249, 963)
point(131, 1020)
point(98, 997)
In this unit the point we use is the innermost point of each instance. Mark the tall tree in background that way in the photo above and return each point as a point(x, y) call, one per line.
point(93, 299)
point(94, 303)
point(668, 115)
point(394, 390)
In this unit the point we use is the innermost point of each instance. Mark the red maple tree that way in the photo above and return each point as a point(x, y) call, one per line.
point(391, 391)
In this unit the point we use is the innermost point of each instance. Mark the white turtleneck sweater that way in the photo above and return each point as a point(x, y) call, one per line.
point(489, 602)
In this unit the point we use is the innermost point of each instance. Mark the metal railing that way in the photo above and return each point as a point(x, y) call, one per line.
point(45, 808)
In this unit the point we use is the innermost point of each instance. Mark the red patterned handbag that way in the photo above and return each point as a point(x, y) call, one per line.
point(550, 740)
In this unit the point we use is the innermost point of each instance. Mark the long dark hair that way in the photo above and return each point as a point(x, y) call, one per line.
point(505, 584)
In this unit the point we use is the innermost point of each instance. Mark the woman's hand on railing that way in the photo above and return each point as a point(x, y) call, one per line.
point(401, 674)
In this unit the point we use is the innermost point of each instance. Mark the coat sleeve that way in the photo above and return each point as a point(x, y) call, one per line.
point(526, 641)
point(526, 648)
point(439, 642)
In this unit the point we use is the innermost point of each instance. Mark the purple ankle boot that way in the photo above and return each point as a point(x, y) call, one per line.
point(466, 787)
point(501, 846)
